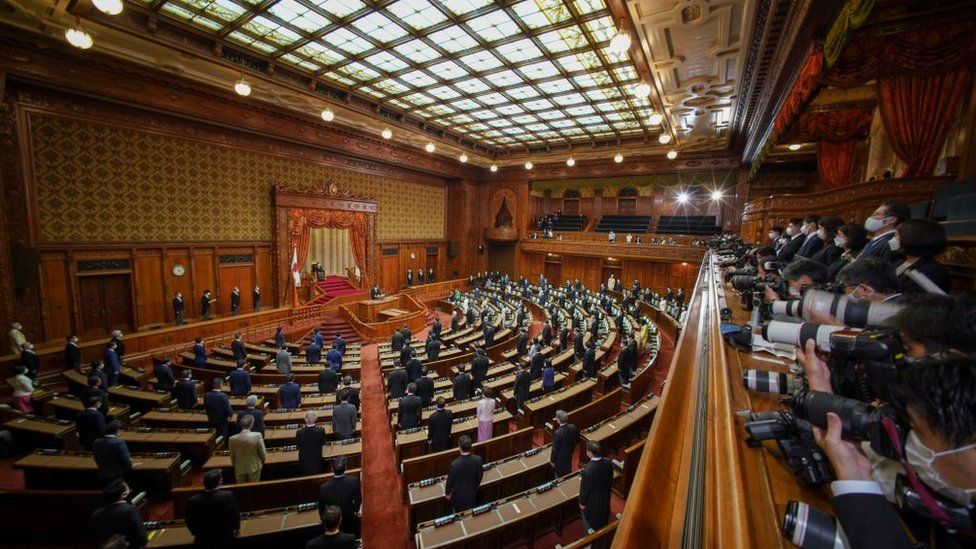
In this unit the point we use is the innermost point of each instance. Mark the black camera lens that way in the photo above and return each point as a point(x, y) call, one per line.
point(856, 416)
point(771, 382)
point(811, 528)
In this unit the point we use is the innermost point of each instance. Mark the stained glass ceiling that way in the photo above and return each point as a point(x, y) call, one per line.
point(524, 74)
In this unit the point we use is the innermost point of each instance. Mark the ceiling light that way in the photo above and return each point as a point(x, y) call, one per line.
point(78, 38)
point(717, 194)
point(620, 41)
point(110, 7)
point(642, 90)
point(528, 165)
point(429, 147)
point(570, 161)
point(795, 147)
point(463, 157)
point(655, 119)
point(664, 138)
point(619, 158)
point(493, 168)
point(672, 154)
point(242, 87)
point(328, 115)
point(387, 133)
point(682, 197)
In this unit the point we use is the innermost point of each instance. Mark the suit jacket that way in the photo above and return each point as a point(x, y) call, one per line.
point(328, 381)
point(870, 521)
point(463, 481)
point(479, 369)
point(546, 335)
point(313, 353)
point(91, 426)
point(811, 245)
point(353, 396)
point(112, 457)
point(589, 362)
point(290, 395)
point(112, 364)
point(931, 268)
point(72, 356)
point(256, 298)
point(30, 360)
point(258, 416)
point(878, 247)
point(283, 361)
point(343, 491)
point(205, 304)
point(408, 412)
point(119, 518)
point(310, 441)
point(425, 389)
point(340, 344)
point(240, 382)
point(88, 392)
point(489, 336)
point(280, 339)
point(199, 356)
point(213, 519)
point(436, 328)
point(396, 342)
point(218, 409)
point(341, 540)
point(523, 345)
point(433, 349)
point(318, 338)
point(237, 346)
point(396, 383)
point(563, 443)
point(119, 346)
point(578, 348)
point(439, 429)
point(462, 387)
point(334, 359)
point(790, 249)
point(344, 421)
point(564, 339)
point(828, 254)
point(405, 352)
point(247, 452)
point(164, 378)
point(535, 367)
point(595, 492)
point(523, 381)
point(185, 393)
point(235, 301)
point(178, 306)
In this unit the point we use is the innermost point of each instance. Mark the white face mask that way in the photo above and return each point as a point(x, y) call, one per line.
point(840, 241)
point(805, 229)
point(872, 224)
point(789, 231)
point(920, 457)
point(822, 233)
point(894, 244)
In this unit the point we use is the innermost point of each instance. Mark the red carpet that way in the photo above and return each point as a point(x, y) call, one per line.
point(332, 287)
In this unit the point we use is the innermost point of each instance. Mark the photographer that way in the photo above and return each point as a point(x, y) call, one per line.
point(827, 232)
point(869, 279)
point(923, 326)
point(799, 274)
point(962, 324)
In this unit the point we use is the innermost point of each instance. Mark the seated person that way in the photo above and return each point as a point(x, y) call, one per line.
point(850, 239)
point(921, 241)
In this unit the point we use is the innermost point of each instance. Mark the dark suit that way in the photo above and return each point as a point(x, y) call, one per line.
point(435, 328)
point(185, 394)
point(595, 492)
point(931, 269)
point(72, 356)
point(205, 307)
point(240, 383)
point(237, 346)
point(396, 343)
point(290, 395)
point(433, 349)
point(462, 387)
point(578, 348)
point(112, 367)
point(396, 383)
point(199, 356)
point(164, 378)
point(811, 245)
point(878, 247)
point(627, 363)
point(563, 339)
point(256, 298)
point(439, 429)
point(425, 389)
point(479, 369)
point(340, 540)
point(523, 345)
point(178, 310)
point(546, 335)
point(563, 443)
point(589, 362)
point(353, 396)
point(213, 519)
point(258, 416)
point(408, 412)
point(112, 458)
point(405, 352)
point(310, 441)
point(827, 255)
point(119, 347)
point(489, 336)
point(523, 382)
point(119, 518)
point(280, 340)
point(344, 492)
point(328, 381)
point(870, 521)
point(218, 409)
point(790, 249)
point(88, 392)
point(313, 353)
point(235, 302)
point(463, 481)
point(344, 421)
point(91, 426)
point(340, 344)
point(535, 367)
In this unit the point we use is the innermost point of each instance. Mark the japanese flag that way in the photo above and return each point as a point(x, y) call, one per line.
point(294, 268)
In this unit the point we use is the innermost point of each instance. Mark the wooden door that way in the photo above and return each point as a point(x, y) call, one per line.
point(571, 206)
point(106, 303)
point(91, 304)
point(627, 206)
point(607, 271)
point(553, 272)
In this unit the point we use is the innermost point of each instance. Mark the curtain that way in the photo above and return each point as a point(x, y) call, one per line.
point(835, 125)
point(301, 220)
point(835, 162)
point(332, 248)
point(806, 85)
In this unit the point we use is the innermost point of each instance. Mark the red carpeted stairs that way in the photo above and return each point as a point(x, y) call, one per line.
point(332, 287)
point(329, 326)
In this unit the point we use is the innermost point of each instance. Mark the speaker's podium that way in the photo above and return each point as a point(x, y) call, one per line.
point(376, 319)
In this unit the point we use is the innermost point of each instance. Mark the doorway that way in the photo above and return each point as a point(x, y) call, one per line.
point(106, 303)
point(553, 271)
point(501, 257)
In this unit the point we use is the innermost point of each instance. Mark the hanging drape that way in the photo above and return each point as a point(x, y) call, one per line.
point(300, 221)
point(833, 125)
point(332, 248)
point(835, 162)
point(807, 84)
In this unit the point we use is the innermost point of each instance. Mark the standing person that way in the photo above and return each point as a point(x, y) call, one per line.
point(111, 454)
point(353, 392)
point(313, 353)
point(17, 338)
point(439, 427)
point(239, 380)
point(548, 377)
point(433, 348)
point(185, 391)
point(328, 381)
point(396, 342)
point(485, 414)
point(339, 343)
point(217, 406)
point(345, 493)
point(256, 298)
point(425, 386)
point(118, 517)
point(310, 439)
point(212, 516)
point(23, 389)
point(430, 276)
point(594, 496)
point(462, 384)
point(333, 358)
point(163, 372)
point(283, 361)
point(589, 359)
point(333, 538)
point(464, 478)
point(205, 303)
point(523, 381)
point(90, 423)
point(537, 361)
point(563, 444)
point(179, 309)
point(237, 347)
point(409, 277)
point(280, 338)
point(290, 393)
point(235, 300)
point(479, 367)
point(199, 353)
point(72, 354)
point(30, 360)
point(408, 410)
point(252, 402)
point(247, 453)
point(396, 382)
point(94, 389)
point(112, 365)
point(119, 344)
point(344, 417)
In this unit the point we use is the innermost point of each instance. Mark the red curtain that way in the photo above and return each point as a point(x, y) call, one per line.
point(835, 162)
point(301, 221)
point(806, 85)
point(835, 125)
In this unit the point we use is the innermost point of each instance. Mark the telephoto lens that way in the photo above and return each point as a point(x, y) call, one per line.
point(848, 311)
point(811, 528)
point(791, 308)
point(771, 382)
point(857, 417)
point(792, 333)
point(744, 283)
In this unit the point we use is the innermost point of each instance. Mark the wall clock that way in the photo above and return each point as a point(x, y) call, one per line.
point(179, 270)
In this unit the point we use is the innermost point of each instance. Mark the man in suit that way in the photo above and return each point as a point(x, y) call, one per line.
point(95, 389)
point(313, 353)
point(523, 343)
point(409, 277)
point(256, 298)
point(343, 492)
point(212, 516)
point(290, 393)
point(425, 386)
point(328, 381)
point(344, 417)
point(235, 300)
point(589, 359)
point(882, 222)
point(237, 347)
point(333, 359)
point(563, 444)
point(595, 484)
point(353, 392)
point(283, 360)
point(536, 363)
point(165, 380)
point(489, 334)
point(433, 348)
point(374, 292)
point(413, 366)
point(317, 336)
point(185, 391)
point(564, 337)
point(789, 250)
point(579, 349)
point(218, 409)
point(455, 320)
point(523, 382)
point(626, 361)
point(72, 354)
point(396, 382)
point(239, 380)
point(310, 439)
point(436, 327)
point(280, 338)
point(119, 344)
point(333, 538)
point(811, 241)
point(111, 454)
point(247, 453)
point(205, 303)
point(462, 384)
point(464, 478)
point(406, 353)
point(396, 342)
point(479, 367)
point(112, 365)
point(199, 353)
point(408, 409)
point(339, 343)
point(30, 360)
point(98, 370)
point(406, 334)
point(90, 423)
point(546, 334)
point(258, 424)
point(439, 427)
point(118, 517)
point(179, 309)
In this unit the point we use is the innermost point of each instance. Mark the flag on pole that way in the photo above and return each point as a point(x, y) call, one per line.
point(294, 267)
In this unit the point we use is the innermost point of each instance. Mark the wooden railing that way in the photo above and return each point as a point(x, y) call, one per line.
point(596, 248)
point(355, 280)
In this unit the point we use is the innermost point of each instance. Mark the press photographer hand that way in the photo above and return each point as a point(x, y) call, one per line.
point(814, 368)
point(847, 459)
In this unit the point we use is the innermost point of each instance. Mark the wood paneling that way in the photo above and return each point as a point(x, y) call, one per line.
point(173, 284)
point(55, 295)
point(150, 300)
point(203, 275)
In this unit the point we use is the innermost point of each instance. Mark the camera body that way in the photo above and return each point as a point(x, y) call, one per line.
point(794, 438)
point(859, 420)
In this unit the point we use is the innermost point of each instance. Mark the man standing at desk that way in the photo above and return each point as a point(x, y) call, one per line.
point(310, 440)
point(111, 454)
point(256, 298)
point(237, 347)
point(290, 394)
point(218, 409)
point(112, 365)
point(594, 497)
point(90, 423)
point(464, 478)
point(239, 380)
point(235, 300)
point(345, 493)
point(179, 309)
point(344, 418)
point(199, 353)
point(205, 303)
point(313, 353)
point(185, 391)
point(439, 427)
point(247, 453)
point(212, 517)
point(119, 517)
point(334, 358)
point(564, 441)
point(283, 361)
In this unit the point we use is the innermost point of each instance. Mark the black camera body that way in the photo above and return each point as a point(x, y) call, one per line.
point(864, 364)
point(860, 420)
point(794, 438)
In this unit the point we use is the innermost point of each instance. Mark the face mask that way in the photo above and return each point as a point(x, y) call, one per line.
point(822, 234)
point(840, 241)
point(805, 229)
point(920, 457)
point(894, 244)
point(794, 292)
point(872, 224)
point(789, 231)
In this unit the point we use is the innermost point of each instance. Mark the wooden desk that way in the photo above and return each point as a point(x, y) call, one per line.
point(165, 417)
point(194, 444)
point(619, 430)
point(264, 494)
point(35, 431)
point(64, 407)
point(283, 462)
point(285, 435)
point(412, 442)
point(157, 472)
point(535, 412)
point(289, 527)
point(462, 408)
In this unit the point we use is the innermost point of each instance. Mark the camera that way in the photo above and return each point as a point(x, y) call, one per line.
point(794, 437)
point(746, 283)
point(860, 420)
point(798, 333)
point(811, 528)
point(771, 382)
point(847, 311)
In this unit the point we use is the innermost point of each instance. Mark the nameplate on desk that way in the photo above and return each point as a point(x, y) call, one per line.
point(444, 520)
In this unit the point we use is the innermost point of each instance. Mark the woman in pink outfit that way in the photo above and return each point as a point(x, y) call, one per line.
point(486, 409)
point(24, 388)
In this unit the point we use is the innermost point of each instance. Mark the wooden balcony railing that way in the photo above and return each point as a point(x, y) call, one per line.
point(649, 252)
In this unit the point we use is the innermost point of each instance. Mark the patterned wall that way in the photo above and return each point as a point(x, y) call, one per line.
point(97, 182)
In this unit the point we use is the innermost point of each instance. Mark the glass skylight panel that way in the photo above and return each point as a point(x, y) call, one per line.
point(207, 23)
point(614, 57)
point(418, 78)
point(504, 140)
point(493, 133)
point(472, 85)
point(443, 92)
point(425, 114)
point(359, 71)
point(460, 119)
point(339, 8)
point(418, 99)
point(625, 74)
point(547, 135)
point(561, 123)
point(460, 7)
point(613, 116)
point(391, 86)
point(538, 71)
point(522, 92)
point(557, 86)
point(569, 99)
point(347, 41)
point(263, 47)
point(478, 126)
point(419, 14)
point(504, 79)
point(178, 12)
point(440, 109)
point(537, 105)
point(520, 50)
point(525, 119)
point(465, 105)
point(509, 110)
point(553, 41)
point(581, 110)
point(336, 77)
point(417, 51)
point(493, 26)
point(626, 124)
point(225, 10)
point(386, 61)
point(448, 70)
point(484, 114)
point(379, 27)
point(513, 131)
point(480, 61)
point(453, 39)
point(593, 79)
point(398, 103)
point(371, 91)
point(536, 127)
point(492, 99)
point(549, 116)
point(587, 120)
point(499, 123)
point(589, 6)
point(542, 13)
point(569, 132)
point(601, 29)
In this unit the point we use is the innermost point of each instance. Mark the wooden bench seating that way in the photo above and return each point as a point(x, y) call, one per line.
point(283, 462)
point(619, 430)
point(285, 527)
point(47, 469)
point(537, 410)
point(66, 515)
point(412, 442)
point(591, 413)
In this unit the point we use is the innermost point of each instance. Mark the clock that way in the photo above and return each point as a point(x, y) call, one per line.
point(179, 270)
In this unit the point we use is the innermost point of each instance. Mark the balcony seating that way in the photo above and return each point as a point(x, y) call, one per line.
point(687, 224)
point(569, 223)
point(622, 224)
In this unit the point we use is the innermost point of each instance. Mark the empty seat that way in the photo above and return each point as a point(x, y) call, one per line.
point(624, 224)
point(687, 224)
